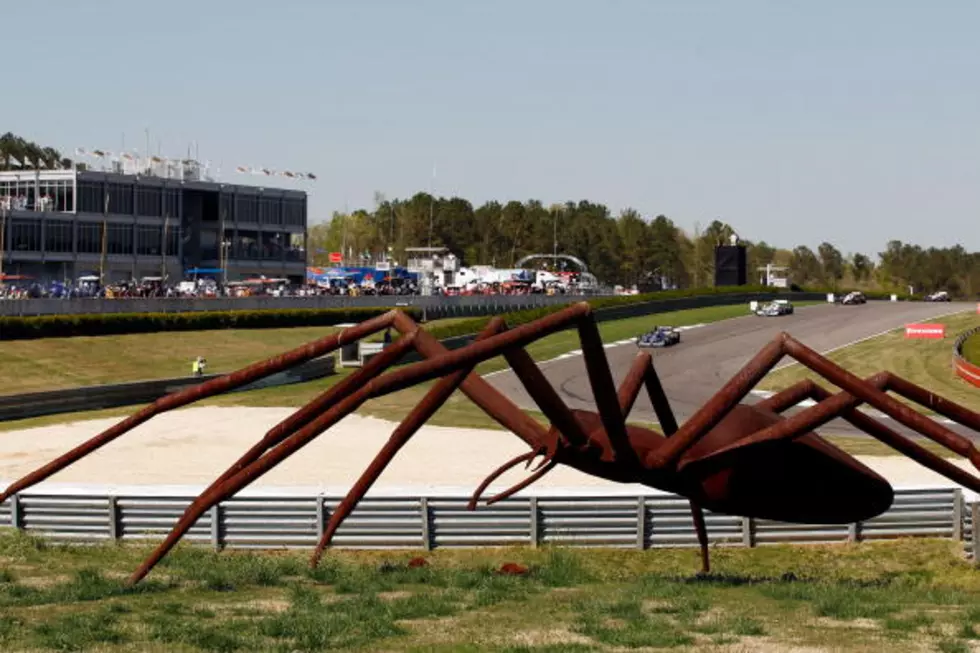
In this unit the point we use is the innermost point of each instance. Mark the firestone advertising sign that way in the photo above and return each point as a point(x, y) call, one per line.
point(937, 331)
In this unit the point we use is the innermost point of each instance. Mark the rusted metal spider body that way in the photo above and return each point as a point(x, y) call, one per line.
point(733, 458)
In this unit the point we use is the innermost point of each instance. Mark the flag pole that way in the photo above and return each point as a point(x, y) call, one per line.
point(105, 229)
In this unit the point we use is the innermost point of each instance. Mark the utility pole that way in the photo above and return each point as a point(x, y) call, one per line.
point(222, 256)
point(105, 229)
point(163, 248)
point(4, 208)
point(554, 252)
point(432, 205)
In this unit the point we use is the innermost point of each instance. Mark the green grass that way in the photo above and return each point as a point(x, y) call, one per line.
point(925, 362)
point(55, 363)
point(971, 349)
point(905, 595)
point(160, 354)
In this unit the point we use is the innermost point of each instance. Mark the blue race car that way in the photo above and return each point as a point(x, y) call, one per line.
point(661, 336)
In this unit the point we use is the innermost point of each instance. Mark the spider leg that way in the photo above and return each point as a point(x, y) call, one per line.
point(888, 405)
point(923, 397)
point(225, 485)
point(842, 405)
point(903, 444)
point(719, 405)
point(545, 396)
point(419, 415)
point(642, 372)
point(307, 413)
point(436, 366)
point(210, 388)
point(607, 401)
point(739, 386)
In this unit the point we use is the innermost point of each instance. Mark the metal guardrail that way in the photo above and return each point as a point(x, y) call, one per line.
point(641, 522)
point(964, 368)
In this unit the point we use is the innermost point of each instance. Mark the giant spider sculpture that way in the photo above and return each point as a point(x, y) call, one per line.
point(729, 457)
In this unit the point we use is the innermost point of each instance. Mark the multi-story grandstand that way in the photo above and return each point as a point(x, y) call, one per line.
point(147, 222)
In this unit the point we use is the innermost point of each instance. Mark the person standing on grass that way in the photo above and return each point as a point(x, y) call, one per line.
point(197, 367)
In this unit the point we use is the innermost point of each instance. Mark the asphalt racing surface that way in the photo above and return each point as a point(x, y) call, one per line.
point(709, 355)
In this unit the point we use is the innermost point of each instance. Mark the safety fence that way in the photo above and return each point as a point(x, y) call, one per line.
point(642, 522)
point(432, 307)
point(964, 368)
point(440, 305)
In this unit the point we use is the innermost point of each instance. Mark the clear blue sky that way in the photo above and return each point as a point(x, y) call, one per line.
point(796, 122)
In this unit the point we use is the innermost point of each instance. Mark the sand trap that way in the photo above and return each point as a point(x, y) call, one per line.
point(191, 447)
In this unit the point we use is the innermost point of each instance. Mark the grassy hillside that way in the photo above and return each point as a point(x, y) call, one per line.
point(891, 596)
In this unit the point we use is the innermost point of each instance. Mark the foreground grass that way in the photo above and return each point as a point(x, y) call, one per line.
point(458, 411)
point(925, 362)
point(896, 596)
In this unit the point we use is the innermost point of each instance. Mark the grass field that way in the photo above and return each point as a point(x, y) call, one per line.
point(896, 596)
point(926, 362)
point(164, 354)
point(971, 349)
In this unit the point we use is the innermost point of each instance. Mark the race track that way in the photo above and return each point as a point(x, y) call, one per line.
point(710, 355)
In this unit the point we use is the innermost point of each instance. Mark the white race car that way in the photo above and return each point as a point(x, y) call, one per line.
point(855, 297)
point(775, 308)
point(941, 296)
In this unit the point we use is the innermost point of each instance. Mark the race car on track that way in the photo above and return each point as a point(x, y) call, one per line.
point(941, 296)
point(775, 308)
point(661, 336)
point(855, 297)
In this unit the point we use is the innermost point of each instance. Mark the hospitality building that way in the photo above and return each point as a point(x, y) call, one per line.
point(148, 222)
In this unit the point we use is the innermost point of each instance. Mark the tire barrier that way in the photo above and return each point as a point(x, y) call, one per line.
point(964, 368)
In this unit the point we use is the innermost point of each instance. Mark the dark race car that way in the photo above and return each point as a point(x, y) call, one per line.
point(776, 308)
point(661, 336)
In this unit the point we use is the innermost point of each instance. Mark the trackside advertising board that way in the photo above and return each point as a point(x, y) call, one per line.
point(925, 331)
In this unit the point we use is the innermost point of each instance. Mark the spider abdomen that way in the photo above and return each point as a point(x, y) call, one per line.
point(801, 480)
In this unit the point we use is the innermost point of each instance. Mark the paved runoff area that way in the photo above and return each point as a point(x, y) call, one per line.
point(184, 450)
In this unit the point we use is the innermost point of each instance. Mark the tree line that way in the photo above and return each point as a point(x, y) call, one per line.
point(18, 153)
point(627, 249)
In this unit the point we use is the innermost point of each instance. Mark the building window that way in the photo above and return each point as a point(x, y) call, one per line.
point(149, 201)
point(269, 210)
point(25, 236)
point(58, 236)
point(148, 240)
point(89, 238)
point(172, 238)
point(171, 202)
point(294, 212)
point(90, 199)
point(273, 245)
point(246, 208)
point(296, 250)
point(121, 199)
point(227, 207)
point(55, 195)
point(247, 245)
point(120, 239)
